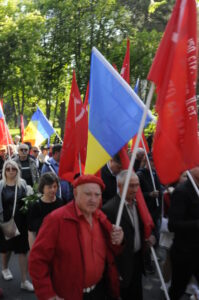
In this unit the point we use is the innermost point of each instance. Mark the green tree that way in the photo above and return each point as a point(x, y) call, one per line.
point(20, 35)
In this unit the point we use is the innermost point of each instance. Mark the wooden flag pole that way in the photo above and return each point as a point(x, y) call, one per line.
point(148, 102)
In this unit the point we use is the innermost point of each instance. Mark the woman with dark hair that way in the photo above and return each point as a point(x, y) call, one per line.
point(45, 204)
point(12, 187)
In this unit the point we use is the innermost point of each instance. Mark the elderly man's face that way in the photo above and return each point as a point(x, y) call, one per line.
point(88, 197)
point(132, 188)
point(23, 152)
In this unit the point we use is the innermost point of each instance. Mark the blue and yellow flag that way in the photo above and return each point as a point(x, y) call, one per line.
point(115, 112)
point(38, 129)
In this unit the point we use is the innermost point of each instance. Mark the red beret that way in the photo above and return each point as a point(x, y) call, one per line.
point(88, 179)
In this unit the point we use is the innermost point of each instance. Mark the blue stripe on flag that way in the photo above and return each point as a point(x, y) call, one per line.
point(43, 126)
point(115, 110)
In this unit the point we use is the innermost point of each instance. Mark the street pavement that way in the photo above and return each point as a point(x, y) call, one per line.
point(12, 291)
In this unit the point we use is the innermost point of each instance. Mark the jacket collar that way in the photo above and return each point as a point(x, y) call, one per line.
point(70, 213)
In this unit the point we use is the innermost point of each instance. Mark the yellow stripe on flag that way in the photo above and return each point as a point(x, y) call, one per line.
point(97, 157)
point(32, 134)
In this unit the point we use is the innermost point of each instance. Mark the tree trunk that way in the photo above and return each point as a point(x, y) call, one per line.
point(23, 101)
point(15, 110)
point(62, 117)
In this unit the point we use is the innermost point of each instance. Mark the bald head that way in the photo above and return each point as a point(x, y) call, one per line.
point(88, 197)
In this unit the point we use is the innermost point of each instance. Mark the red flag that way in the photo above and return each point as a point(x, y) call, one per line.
point(22, 127)
point(140, 143)
point(86, 98)
point(125, 71)
point(174, 71)
point(75, 136)
point(141, 204)
point(5, 137)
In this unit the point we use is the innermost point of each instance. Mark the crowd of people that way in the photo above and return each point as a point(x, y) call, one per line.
point(67, 238)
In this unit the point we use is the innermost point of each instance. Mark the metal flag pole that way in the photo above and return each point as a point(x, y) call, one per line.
point(150, 170)
point(152, 249)
point(160, 273)
point(193, 182)
point(148, 102)
point(80, 165)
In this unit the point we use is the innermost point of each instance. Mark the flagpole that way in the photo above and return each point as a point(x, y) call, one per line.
point(50, 125)
point(152, 249)
point(80, 165)
point(59, 137)
point(160, 273)
point(147, 106)
point(150, 170)
point(193, 182)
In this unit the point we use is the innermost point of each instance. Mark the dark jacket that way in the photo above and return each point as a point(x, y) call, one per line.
point(110, 184)
point(147, 187)
point(125, 260)
point(33, 168)
point(184, 216)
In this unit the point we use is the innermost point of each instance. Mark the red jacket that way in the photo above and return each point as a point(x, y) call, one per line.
point(56, 263)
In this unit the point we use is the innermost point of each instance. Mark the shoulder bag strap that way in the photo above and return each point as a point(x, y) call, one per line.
point(15, 201)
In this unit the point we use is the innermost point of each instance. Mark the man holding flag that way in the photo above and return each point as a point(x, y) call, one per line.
point(130, 261)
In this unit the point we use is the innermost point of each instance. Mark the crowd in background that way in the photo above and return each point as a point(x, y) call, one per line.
point(26, 169)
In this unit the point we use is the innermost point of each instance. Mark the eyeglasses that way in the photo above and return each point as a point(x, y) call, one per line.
point(11, 169)
point(24, 150)
point(35, 151)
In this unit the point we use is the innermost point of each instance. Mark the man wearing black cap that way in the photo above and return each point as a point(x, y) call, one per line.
point(74, 248)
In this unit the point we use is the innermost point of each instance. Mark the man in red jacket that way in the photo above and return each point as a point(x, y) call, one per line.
point(73, 252)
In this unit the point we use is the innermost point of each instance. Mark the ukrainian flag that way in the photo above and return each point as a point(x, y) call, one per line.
point(115, 112)
point(38, 129)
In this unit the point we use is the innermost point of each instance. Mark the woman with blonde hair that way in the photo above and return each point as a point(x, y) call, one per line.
point(12, 187)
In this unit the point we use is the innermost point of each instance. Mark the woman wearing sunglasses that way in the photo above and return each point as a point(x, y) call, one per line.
point(12, 187)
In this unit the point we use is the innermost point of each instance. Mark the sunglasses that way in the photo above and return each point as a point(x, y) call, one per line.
point(35, 151)
point(11, 169)
point(24, 150)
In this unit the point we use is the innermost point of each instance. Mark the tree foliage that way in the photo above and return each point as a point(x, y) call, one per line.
point(42, 41)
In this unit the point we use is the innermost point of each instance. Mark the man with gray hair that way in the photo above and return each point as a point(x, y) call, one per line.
point(27, 165)
point(129, 262)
